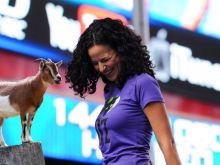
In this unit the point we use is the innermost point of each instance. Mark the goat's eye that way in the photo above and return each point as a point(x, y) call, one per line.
point(47, 70)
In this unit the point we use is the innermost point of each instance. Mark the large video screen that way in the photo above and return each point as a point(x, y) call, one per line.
point(197, 142)
point(199, 16)
point(185, 46)
point(51, 28)
point(185, 51)
point(65, 126)
point(186, 62)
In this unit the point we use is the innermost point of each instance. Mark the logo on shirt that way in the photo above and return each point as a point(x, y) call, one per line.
point(111, 103)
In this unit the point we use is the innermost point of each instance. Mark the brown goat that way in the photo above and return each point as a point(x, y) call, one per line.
point(25, 96)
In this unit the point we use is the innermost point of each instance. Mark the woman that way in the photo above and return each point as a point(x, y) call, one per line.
point(133, 101)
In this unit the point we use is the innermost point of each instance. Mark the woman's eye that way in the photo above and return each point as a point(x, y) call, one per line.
point(105, 60)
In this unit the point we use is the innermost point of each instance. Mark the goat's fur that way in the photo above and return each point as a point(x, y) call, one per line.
point(25, 96)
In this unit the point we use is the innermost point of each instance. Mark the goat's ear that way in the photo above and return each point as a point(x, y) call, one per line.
point(58, 64)
point(42, 64)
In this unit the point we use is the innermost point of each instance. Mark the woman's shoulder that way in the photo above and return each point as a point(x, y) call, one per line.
point(143, 78)
point(145, 88)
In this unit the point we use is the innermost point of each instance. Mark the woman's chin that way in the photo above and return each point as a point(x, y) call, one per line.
point(112, 78)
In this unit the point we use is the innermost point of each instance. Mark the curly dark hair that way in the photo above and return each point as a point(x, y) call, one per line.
point(134, 56)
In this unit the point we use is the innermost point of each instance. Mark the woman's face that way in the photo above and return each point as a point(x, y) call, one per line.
point(105, 61)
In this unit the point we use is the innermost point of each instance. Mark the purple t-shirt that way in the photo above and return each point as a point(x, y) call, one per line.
point(123, 129)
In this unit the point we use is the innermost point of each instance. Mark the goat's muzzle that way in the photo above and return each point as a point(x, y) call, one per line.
point(57, 79)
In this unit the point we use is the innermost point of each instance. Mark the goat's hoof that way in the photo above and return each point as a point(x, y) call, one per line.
point(3, 145)
point(27, 141)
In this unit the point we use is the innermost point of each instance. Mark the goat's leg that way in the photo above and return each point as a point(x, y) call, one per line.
point(24, 125)
point(29, 124)
point(2, 142)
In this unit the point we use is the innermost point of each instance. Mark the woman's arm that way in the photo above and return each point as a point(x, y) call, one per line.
point(157, 116)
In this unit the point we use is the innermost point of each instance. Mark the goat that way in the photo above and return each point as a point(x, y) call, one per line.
point(25, 96)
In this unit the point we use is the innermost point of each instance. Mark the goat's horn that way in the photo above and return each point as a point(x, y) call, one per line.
point(49, 60)
point(40, 59)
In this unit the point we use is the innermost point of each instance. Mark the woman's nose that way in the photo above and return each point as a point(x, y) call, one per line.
point(102, 67)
